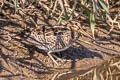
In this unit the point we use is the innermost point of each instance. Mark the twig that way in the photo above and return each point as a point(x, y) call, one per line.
point(111, 22)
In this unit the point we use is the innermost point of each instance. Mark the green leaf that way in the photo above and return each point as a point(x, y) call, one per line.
point(15, 4)
point(92, 23)
point(95, 7)
point(73, 9)
point(60, 18)
point(104, 6)
point(64, 10)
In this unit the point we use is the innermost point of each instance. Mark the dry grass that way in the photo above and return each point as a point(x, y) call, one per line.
point(62, 11)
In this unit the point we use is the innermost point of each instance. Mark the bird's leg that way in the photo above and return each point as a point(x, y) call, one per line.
point(62, 60)
point(49, 54)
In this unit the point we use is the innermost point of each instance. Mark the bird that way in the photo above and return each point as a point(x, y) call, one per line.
point(52, 38)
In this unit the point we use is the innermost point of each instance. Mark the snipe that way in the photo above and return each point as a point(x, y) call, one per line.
point(52, 39)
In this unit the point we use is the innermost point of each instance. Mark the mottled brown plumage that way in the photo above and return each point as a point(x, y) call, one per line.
point(52, 39)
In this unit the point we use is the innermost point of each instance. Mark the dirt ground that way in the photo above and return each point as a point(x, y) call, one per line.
point(20, 60)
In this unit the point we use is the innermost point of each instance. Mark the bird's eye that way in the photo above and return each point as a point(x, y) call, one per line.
point(75, 23)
